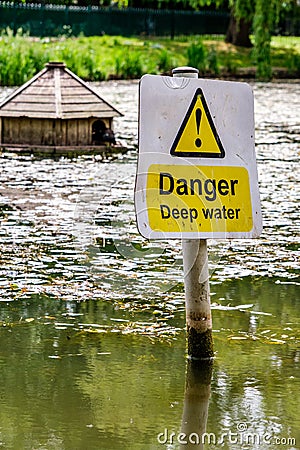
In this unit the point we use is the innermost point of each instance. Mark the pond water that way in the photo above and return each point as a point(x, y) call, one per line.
point(92, 317)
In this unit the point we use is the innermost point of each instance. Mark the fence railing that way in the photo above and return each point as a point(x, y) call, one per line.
point(44, 19)
point(54, 20)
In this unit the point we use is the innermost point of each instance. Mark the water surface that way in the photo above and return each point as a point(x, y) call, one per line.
point(92, 316)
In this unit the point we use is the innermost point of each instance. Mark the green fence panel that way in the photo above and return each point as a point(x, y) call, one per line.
point(53, 20)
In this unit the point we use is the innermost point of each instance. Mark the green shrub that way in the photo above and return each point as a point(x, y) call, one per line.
point(196, 56)
point(116, 42)
point(230, 65)
point(129, 67)
point(293, 63)
point(212, 62)
point(164, 61)
point(97, 58)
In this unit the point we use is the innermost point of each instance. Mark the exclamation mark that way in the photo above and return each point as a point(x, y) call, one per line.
point(198, 120)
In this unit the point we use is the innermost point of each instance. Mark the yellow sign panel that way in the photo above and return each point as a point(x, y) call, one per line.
point(198, 199)
point(197, 136)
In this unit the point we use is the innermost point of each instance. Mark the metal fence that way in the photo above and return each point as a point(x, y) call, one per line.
point(55, 20)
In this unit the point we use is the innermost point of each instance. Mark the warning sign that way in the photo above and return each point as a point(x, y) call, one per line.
point(197, 136)
point(196, 174)
point(198, 199)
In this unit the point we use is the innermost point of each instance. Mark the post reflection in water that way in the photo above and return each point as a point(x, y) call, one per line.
point(196, 400)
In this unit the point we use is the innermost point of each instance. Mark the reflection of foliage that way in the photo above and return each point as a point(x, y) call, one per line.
point(137, 404)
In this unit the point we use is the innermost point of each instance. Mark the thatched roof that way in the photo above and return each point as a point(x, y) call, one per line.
point(56, 93)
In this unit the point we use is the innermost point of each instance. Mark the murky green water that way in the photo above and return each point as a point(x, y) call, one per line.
point(92, 320)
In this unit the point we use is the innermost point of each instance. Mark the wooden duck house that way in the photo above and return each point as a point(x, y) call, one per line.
point(56, 111)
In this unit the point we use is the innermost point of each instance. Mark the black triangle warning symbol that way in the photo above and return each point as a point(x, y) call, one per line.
point(197, 135)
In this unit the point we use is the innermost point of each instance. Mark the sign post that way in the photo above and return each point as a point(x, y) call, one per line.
point(194, 252)
point(196, 177)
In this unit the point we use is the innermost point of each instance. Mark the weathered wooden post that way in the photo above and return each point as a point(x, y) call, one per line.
point(196, 281)
point(197, 299)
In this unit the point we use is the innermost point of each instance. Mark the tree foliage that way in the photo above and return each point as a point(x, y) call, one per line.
point(264, 20)
point(259, 15)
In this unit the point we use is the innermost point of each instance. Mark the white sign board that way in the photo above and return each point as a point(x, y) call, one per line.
point(196, 174)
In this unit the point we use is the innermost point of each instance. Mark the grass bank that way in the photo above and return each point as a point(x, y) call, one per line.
point(114, 57)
